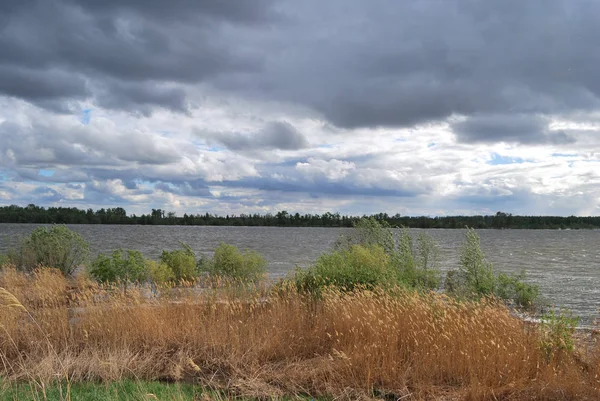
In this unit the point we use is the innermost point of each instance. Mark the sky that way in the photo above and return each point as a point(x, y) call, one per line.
point(226, 106)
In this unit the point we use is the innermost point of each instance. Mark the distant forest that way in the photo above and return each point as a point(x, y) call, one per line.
point(118, 215)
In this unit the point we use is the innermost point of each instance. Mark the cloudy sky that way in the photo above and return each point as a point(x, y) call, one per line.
point(230, 106)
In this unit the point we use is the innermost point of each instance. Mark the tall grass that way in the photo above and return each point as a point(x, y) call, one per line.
point(363, 343)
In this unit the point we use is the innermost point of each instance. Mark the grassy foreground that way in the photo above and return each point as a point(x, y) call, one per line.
point(126, 390)
point(276, 343)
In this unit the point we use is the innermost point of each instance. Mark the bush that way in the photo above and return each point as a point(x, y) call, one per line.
point(478, 273)
point(229, 262)
point(119, 267)
point(557, 331)
point(182, 262)
point(55, 246)
point(428, 273)
point(513, 287)
point(404, 259)
point(354, 267)
point(369, 231)
point(415, 268)
point(160, 273)
point(4, 260)
point(475, 277)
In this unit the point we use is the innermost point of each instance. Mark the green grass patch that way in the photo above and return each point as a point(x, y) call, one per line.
point(126, 390)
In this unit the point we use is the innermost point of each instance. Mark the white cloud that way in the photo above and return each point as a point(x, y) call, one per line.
point(333, 169)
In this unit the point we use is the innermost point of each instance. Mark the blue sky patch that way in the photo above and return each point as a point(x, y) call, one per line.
point(431, 145)
point(46, 172)
point(216, 149)
point(498, 159)
point(86, 116)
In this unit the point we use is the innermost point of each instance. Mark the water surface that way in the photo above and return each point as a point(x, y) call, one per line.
point(565, 264)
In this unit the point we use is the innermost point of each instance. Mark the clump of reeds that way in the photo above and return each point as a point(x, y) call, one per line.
point(262, 343)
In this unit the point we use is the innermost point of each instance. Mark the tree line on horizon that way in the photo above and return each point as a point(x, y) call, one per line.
point(71, 215)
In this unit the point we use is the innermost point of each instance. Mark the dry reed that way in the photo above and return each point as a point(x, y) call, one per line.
point(350, 345)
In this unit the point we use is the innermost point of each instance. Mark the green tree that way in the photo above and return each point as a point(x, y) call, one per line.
point(182, 262)
point(478, 273)
point(159, 273)
point(369, 231)
point(54, 246)
point(417, 266)
point(356, 266)
point(475, 277)
point(121, 266)
point(228, 261)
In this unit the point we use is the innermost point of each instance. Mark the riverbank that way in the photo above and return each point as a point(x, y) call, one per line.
point(119, 216)
point(365, 344)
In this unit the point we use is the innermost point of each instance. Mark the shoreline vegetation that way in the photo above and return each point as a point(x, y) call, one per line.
point(32, 214)
point(372, 318)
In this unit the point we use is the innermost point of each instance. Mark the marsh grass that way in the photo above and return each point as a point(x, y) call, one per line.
point(258, 342)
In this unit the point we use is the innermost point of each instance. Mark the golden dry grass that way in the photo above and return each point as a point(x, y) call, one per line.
point(360, 345)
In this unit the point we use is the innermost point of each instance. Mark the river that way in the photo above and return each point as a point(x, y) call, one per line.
point(565, 264)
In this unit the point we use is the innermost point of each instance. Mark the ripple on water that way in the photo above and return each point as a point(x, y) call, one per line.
point(564, 263)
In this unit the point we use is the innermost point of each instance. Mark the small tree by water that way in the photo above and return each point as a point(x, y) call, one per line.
point(121, 266)
point(229, 262)
point(371, 254)
point(475, 277)
point(54, 246)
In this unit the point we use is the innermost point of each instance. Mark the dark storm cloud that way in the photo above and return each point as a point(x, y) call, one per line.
point(351, 62)
point(275, 135)
point(526, 129)
point(320, 187)
point(141, 97)
point(151, 43)
point(75, 154)
point(365, 64)
point(232, 10)
point(35, 85)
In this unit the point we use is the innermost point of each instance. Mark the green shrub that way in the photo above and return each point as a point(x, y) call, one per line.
point(403, 258)
point(454, 283)
point(478, 272)
point(229, 262)
point(427, 269)
point(513, 287)
point(182, 262)
point(475, 277)
point(557, 331)
point(120, 266)
point(347, 269)
point(54, 246)
point(160, 273)
point(4, 259)
point(415, 267)
point(369, 231)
